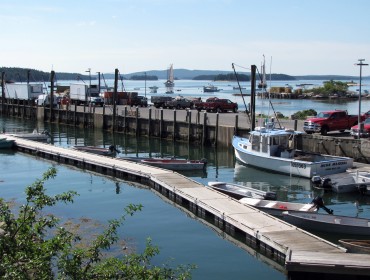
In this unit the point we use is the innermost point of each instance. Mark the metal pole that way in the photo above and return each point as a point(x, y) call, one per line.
point(359, 96)
point(145, 84)
point(253, 96)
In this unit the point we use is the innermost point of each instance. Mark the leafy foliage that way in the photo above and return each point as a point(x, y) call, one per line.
point(331, 87)
point(302, 115)
point(34, 246)
point(16, 74)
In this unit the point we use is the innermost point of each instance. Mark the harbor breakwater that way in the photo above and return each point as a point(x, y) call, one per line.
point(189, 126)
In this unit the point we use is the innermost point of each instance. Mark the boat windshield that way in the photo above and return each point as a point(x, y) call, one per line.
point(255, 142)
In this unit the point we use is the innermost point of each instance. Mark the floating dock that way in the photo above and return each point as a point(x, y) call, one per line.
point(298, 251)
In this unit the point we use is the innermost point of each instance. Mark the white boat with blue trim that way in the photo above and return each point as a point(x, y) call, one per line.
point(274, 149)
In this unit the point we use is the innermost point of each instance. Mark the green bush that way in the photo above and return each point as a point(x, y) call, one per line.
point(33, 245)
point(302, 115)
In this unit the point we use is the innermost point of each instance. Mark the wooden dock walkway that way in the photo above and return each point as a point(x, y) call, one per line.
point(298, 250)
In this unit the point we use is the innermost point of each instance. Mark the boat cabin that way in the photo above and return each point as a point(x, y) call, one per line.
point(273, 142)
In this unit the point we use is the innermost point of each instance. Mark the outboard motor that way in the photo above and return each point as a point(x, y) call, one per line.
point(322, 182)
point(113, 149)
point(270, 196)
point(319, 203)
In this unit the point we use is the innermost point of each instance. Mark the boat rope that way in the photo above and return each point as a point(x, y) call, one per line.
point(121, 78)
point(105, 83)
point(241, 92)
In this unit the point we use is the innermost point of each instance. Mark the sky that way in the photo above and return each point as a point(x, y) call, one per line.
point(296, 37)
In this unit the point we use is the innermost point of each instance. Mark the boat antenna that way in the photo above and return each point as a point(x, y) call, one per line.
point(241, 92)
point(272, 106)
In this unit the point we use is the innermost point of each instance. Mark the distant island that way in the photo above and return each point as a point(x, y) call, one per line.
point(17, 74)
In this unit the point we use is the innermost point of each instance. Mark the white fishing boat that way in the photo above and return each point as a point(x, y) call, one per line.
point(328, 223)
point(346, 182)
point(210, 88)
point(356, 245)
point(153, 89)
point(239, 191)
point(276, 208)
point(274, 149)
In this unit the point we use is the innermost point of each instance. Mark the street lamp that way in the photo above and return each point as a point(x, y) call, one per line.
point(359, 96)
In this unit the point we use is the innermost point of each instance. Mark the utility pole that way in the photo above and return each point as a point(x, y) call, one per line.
point(360, 126)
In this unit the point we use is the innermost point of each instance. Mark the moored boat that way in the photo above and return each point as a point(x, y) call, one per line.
point(111, 150)
point(328, 223)
point(210, 88)
point(35, 135)
point(356, 245)
point(176, 164)
point(346, 182)
point(276, 208)
point(6, 143)
point(239, 191)
point(274, 149)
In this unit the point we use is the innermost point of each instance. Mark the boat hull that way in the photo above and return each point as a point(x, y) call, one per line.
point(94, 150)
point(356, 245)
point(277, 208)
point(323, 164)
point(329, 223)
point(239, 191)
point(176, 164)
point(6, 143)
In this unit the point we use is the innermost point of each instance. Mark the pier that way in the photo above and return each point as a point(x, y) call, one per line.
point(187, 126)
point(300, 252)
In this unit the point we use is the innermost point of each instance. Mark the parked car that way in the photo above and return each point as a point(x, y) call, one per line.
point(330, 121)
point(214, 104)
point(365, 131)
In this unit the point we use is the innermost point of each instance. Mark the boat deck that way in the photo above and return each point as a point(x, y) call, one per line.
point(299, 250)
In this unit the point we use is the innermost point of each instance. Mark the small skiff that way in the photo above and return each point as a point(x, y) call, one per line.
point(346, 182)
point(35, 135)
point(356, 245)
point(97, 150)
point(176, 164)
point(276, 208)
point(239, 191)
point(6, 143)
point(328, 223)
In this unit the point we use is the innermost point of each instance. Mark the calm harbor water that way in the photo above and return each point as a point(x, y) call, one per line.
point(178, 234)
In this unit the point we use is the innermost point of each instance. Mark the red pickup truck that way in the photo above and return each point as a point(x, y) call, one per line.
point(331, 121)
point(214, 104)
